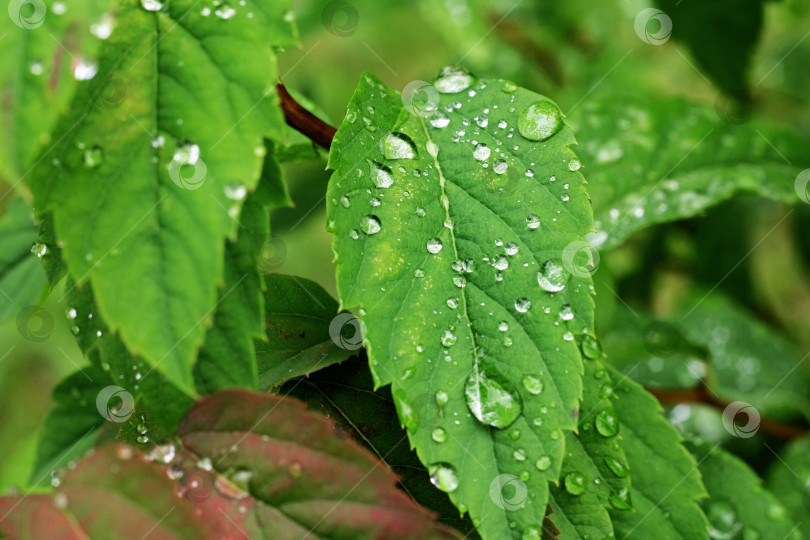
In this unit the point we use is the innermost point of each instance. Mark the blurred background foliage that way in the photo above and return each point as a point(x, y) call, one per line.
point(742, 263)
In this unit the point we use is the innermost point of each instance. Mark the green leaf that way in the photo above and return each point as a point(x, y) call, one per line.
point(272, 190)
point(228, 359)
point(789, 481)
point(670, 160)
point(299, 315)
point(665, 478)
point(73, 424)
point(52, 263)
point(594, 471)
point(150, 389)
point(721, 35)
point(143, 194)
point(748, 360)
point(424, 232)
point(42, 49)
point(738, 505)
point(21, 281)
point(653, 352)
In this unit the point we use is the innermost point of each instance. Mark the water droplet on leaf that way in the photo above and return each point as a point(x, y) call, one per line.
point(93, 157)
point(381, 175)
point(398, 146)
point(490, 401)
point(539, 121)
point(453, 79)
point(370, 225)
point(151, 5)
point(523, 304)
point(591, 347)
point(434, 245)
point(618, 468)
point(543, 463)
point(443, 476)
point(481, 152)
point(606, 423)
point(574, 483)
point(533, 384)
point(552, 276)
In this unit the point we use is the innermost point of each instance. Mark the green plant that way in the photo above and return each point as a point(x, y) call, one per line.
point(499, 317)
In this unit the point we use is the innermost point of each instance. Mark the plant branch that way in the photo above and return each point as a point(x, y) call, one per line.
point(304, 121)
point(703, 395)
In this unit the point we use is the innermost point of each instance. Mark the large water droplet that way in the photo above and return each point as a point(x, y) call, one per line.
point(235, 191)
point(381, 175)
point(532, 533)
point(574, 483)
point(618, 468)
point(225, 11)
point(500, 167)
point(481, 152)
point(552, 276)
point(523, 304)
point(533, 384)
point(370, 224)
point(539, 121)
point(434, 245)
point(439, 435)
point(606, 423)
point(490, 401)
point(448, 339)
point(566, 313)
point(591, 347)
point(509, 87)
point(620, 500)
point(439, 121)
point(532, 221)
point(93, 157)
point(723, 524)
point(500, 262)
point(39, 249)
point(453, 79)
point(443, 476)
point(543, 463)
point(398, 146)
point(151, 5)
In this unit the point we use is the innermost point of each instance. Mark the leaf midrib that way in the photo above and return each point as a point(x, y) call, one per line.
point(463, 294)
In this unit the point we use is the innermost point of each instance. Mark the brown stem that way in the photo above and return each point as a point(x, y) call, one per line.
point(701, 394)
point(304, 121)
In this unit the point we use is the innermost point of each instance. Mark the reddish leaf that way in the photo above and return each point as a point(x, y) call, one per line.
point(313, 479)
point(281, 473)
point(36, 516)
point(118, 492)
